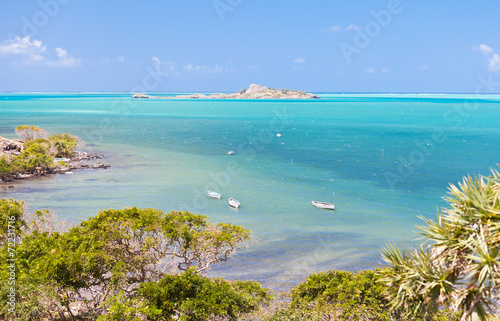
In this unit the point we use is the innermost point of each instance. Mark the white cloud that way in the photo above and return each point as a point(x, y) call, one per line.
point(22, 46)
point(37, 53)
point(374, 70)
point(485, 50)
point(300, 61)
point(119, 59)
point(203, 69)
point(493, 58)
point(252, 68)
point(36, 57)
point(339, 28)
point(64, 60)
point(165, 68)
point(331, 29)
point(494, 63)
point(423, 67)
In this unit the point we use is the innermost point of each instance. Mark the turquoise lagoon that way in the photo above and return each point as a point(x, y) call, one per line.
point(388, 159)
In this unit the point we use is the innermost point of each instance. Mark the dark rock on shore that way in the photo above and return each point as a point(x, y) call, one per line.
point(10, 146)
point(80, 161)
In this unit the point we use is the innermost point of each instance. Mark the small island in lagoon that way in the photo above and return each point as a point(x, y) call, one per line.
point(252, 92)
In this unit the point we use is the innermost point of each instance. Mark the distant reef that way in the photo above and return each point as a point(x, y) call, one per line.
point(252, 92)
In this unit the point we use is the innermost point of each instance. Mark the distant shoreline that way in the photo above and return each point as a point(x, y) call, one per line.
point(252, 92)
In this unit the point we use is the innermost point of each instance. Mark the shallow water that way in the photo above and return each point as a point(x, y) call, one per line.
point(387, 158)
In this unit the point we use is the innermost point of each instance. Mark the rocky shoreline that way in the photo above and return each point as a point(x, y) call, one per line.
point(252, 92)
point(79, 162)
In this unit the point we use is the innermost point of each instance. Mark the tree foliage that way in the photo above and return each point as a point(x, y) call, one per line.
point(11, 220)
point(337, 295)
point(191, 297)
point(459, 265)
point(348, 295)
point(65, 144)
point(38, 153)
point(35, 156)
point(28, 132)
point(97, 266)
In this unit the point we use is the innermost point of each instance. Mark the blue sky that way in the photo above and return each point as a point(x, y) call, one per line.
point(224, 45)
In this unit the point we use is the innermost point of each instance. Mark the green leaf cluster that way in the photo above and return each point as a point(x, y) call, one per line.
point(11, 220)
point(349, 295)
point(337, 295)
point(65, 144)
point(191, 297)
point(38, 153)
point(35, 156)
point(458, 267)
point(105, 265)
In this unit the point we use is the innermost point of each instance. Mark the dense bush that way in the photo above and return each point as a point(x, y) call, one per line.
point(336, 295)
point(96, 268)
point(8, 168)
point(189, 296)
point(65, 144)
point(36, 156)
point(11, 220)
point(38, 153)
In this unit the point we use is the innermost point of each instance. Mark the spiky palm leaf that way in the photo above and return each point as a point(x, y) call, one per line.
point(459, 266)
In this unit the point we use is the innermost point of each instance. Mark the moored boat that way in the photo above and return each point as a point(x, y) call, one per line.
point(213, 194)
point(234, 203)
point(324, 205)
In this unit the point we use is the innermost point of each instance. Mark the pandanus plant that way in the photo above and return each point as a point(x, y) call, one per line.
point(458, 266)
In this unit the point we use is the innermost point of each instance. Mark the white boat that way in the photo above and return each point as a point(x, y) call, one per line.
point(234, 203)
point(230, 152)
point(213, 194)
point(324, 205)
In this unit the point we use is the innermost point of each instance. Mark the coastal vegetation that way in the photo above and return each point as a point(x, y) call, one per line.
point(36, 152)
point(128, 264)
point(144, 264)
point(459, 264)
point(337, 295)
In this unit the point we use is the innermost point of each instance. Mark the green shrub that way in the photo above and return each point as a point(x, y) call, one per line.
point(190, 297)
point(38, 152)
point(8, 167)
point(31, 159)
point(336, 295)
point(65, 144)
point(28, 132)
point(111, 254)
point(346, 295)
point(11, 220)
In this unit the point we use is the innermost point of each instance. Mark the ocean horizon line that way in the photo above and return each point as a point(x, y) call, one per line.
point(222, 91)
